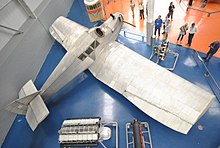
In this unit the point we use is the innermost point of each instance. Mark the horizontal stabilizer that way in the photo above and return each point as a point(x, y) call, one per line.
point(31, 104)
point(20, 105)
point(36, 112)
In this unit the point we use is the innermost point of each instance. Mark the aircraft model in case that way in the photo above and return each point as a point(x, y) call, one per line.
point(164, 96)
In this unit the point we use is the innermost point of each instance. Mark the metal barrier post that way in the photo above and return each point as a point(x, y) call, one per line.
point(209, 14)
point(153, 38)
point(206, 74)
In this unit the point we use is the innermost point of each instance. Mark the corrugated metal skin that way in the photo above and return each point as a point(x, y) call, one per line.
point(3, 3)
point(22, 57)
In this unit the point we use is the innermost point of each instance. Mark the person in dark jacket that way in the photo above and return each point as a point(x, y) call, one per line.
point(213, 49)
point(190, 2)
point(171, 9)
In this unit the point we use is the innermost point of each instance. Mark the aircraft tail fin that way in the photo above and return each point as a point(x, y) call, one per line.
point(30, 104)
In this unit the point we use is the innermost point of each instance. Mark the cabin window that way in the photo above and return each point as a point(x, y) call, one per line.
point(82, 57)
point(89, 50)
point(95, 44)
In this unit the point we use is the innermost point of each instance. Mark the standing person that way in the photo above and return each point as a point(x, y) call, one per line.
point(165, 23)
point(167, 29)
point(158, 22)
point(146, 9)
point(109, 1)
point(192, 31)
point(213, 49)
point(171, 9)
point(190, 2)
point(132, 5)
point(183, 30)
point(141, 8)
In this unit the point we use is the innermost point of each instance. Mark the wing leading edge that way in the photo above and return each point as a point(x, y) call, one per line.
point(164, 96)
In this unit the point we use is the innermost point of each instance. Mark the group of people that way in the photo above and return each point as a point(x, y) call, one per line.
point(166, 27)
point(141, 8)
point(192, 31)
point(183, 29)
point(166, 23)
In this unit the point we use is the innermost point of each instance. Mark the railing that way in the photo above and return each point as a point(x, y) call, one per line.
point(197, 9)
point(128, 32)
point(211, 80)
point(208, 13)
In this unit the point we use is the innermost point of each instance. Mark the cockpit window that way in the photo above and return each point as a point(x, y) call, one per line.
point(95, 44)
point(99, 32)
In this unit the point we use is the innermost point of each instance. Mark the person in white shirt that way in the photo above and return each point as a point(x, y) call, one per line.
point(192, 31)
point(165, 24)
point(141, 8)
point(132, 5)
point(167, 29)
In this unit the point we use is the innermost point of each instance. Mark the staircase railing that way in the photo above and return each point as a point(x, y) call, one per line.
point(210, 78)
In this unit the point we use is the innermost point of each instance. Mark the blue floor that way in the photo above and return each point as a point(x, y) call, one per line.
point(87, 97)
